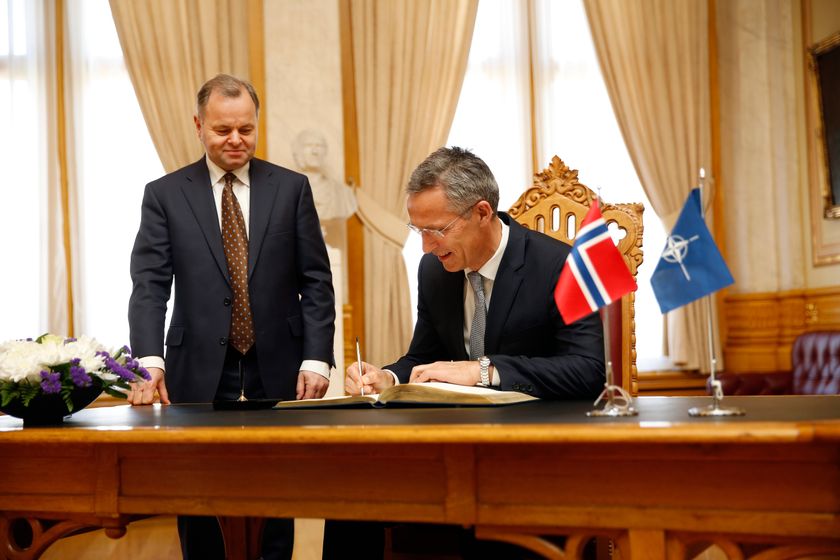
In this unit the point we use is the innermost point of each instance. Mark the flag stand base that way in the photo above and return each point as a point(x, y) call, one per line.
point(715, 409)
point(621, 406)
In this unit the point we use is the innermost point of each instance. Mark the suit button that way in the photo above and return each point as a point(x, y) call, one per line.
point(227, 301)
point(223, 341)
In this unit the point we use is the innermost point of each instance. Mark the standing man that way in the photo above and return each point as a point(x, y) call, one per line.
point(253, 289)
point(485, 310)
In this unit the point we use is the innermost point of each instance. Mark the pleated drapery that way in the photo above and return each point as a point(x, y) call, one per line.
point(409, 60)
point(171, 47)
point(654, 57)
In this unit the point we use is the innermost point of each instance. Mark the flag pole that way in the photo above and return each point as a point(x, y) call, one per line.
point(611, 408)
point(714, 409)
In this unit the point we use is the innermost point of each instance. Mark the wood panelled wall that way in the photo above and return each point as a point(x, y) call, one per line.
point(761, 327)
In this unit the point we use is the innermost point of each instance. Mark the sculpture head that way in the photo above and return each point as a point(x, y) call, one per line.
point(309, 149)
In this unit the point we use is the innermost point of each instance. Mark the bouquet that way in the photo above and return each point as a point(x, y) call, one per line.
point(53, 364)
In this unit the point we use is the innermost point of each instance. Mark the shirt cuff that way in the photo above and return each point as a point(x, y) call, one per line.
point(394, 375)
point(319, 367)
point(153, 362)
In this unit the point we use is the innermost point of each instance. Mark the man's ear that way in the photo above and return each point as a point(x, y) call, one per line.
point(197, 126)
point(485, 211)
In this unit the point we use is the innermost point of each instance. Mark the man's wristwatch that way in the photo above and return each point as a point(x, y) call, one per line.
point(484, 370)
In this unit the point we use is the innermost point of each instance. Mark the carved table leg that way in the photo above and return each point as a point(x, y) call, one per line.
point(242, 536)
point(27, 538)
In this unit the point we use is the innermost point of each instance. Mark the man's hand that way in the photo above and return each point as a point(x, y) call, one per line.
point(143, 392)
point(311, 385)
point(374, 380)
point(459, 373)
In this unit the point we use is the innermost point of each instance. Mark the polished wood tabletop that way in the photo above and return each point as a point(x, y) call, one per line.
point(654, 483)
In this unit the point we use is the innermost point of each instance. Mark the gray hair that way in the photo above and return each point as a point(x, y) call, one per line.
point(227, 86)
point(465, 178)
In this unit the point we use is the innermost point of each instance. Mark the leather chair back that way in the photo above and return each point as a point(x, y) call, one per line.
point(816, 363)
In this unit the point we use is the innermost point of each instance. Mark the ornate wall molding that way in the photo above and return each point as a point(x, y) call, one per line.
point(761, 327)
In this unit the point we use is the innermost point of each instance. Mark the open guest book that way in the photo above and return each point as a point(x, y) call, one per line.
point(428, 394)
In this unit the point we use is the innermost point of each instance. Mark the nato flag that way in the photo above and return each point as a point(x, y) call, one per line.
point(690, 265)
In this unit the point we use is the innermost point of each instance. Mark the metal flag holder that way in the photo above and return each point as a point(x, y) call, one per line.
point(714, 409)
point(617, 401)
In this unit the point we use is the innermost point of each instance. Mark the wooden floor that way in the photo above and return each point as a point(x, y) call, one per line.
point(156, 538)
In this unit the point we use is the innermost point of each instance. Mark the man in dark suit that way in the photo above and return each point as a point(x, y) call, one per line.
point(257, 306)
point(452, 204)
point(525, 347)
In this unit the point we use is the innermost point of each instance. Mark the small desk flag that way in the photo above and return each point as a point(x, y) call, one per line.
point(690, 265)
point(595, 274)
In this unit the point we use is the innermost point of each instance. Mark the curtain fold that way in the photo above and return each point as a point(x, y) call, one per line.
point(409, 60)
point(654, 57)
point(171, 47)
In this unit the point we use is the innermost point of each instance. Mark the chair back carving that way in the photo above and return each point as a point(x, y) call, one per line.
point(556, 205)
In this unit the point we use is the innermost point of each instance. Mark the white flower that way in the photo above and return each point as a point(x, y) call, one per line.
point(20, 361)
point(92, 364)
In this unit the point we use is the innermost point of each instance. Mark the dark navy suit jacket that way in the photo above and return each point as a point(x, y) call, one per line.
point(289, 281)
point(525, 337)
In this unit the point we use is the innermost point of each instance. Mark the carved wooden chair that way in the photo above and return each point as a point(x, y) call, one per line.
point(556, 205)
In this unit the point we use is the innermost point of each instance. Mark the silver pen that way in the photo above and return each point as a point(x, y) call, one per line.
point(359, 363)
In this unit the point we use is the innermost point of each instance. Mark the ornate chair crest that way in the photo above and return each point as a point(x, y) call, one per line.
point(556, 205)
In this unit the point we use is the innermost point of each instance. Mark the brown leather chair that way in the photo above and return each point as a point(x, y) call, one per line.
point(816, 370)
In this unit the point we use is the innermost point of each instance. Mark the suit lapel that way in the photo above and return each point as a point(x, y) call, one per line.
point(453, 299)
point(262, 202)
point(506, 286)
point(199, 194)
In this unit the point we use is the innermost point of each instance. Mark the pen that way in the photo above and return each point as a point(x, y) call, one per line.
point(361, 371)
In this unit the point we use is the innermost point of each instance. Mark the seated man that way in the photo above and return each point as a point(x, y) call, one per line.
point(485, 310)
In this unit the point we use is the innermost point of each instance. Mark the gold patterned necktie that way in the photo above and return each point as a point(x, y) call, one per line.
point(235, 242)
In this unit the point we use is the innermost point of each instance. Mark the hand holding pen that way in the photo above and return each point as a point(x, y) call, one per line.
point(361, 367)
point(376, 380)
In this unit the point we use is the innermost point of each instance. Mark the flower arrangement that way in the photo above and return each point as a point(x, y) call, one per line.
point(53, 364)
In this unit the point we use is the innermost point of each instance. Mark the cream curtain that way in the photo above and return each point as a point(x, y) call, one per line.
point(654, 57)
point(409, 60)
point(171, 47)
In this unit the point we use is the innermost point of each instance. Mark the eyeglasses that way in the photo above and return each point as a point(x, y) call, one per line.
point(439, 233)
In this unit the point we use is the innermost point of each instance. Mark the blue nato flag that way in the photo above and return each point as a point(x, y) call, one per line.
point(691, 265)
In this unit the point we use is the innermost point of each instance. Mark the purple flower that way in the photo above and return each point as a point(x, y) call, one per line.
point(50, 382)
point(69, 340)
point(79, 376)
point(119, 370)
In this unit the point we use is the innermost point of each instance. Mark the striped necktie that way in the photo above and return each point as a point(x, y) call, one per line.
point(479, 317)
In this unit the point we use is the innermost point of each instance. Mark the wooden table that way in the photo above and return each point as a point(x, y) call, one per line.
point(656, 484)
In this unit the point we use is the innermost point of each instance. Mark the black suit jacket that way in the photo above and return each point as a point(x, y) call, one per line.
point(525, 337)
point(289, 281)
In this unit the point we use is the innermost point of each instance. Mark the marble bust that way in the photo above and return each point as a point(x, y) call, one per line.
point(333, 199)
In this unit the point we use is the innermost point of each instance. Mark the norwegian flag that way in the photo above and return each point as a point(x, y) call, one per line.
point(595, 274)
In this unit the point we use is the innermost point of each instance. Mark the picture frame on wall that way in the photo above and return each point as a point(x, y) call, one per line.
point(825, 67)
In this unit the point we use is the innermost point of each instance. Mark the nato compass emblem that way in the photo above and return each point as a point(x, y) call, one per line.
point(676, 250)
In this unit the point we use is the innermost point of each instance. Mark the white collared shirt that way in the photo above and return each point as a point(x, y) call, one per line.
point(241, 189)
point(488, 273)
